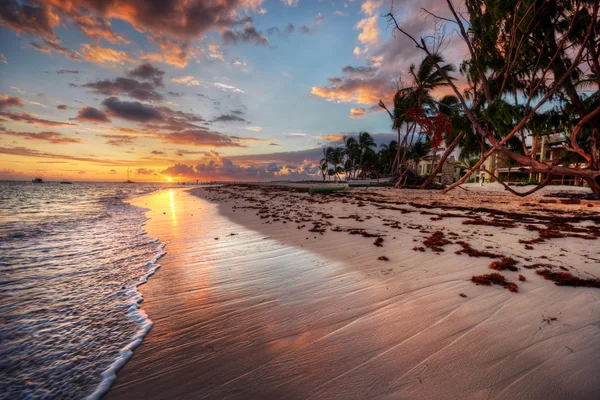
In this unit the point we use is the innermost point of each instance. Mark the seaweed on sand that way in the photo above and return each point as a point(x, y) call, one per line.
point(508, 263)
point(471, 252)
point(436, 242)
point(567, 279)
point(494, 279)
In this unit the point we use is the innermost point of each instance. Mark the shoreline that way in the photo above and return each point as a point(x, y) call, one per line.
point(346, 323)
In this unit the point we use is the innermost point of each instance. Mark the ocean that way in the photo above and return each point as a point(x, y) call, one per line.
point(71, 258)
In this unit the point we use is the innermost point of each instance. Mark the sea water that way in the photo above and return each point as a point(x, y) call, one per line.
point(71, 257)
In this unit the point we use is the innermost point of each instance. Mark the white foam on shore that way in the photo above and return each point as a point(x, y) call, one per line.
point(136, 314)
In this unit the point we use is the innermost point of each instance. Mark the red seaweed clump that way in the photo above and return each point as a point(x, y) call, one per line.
point(522, 278)
point(471, 252)
point(378, 242)
point(494, 279)
point(508, 263)
point(567, 279)
point(383, 258)
point(436, 242)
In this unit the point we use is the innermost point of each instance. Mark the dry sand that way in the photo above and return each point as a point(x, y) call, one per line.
point(278, 311)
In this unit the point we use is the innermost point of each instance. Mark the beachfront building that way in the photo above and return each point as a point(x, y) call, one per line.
point(552, 147)
point(450, 172)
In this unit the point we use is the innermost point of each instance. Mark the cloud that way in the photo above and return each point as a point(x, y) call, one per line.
point(290, 3)
point(307, 29)
point(186, 80)
point(288, 165)
point(117, 140)
point(66, 71)
point(215, 52)
point(340, 13)
point(32, 119)
point(360, 72)
point(131, 110)
point(97, 28)
point(92, 114)
point(7, 101)
point(145, 171)
point(229, 118)
point(113, 172)
point(170, 52)
point(147, 72)
point(51, 137)
point(361, 90)
point(332, 138)
point(254, 128)
point(156, 152)
point(357, 112)
point(285, 31)
point(63, 107)
point(53, 45)
point(179, 19)
point(25, 152)
point(227, 87)
point(103, 55)
point(202, 137)
point(3, 59)
point(125, 86)
point(25, 18)
point(369, 35)
point(273, 167)
point(248, 34)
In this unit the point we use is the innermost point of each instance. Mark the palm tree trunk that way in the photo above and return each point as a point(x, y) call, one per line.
point(440, 165)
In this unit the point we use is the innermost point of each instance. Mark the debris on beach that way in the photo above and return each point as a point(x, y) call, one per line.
point(505, 263)
point(567, 279)
point(494, 279)
point(436, 242)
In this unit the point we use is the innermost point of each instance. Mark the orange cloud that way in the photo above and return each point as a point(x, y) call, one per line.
point(171, 52)
point(98, 28)
point(51, 137)
point(357, 112)
point(103, 55)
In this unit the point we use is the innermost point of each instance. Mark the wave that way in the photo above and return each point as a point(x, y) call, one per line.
point(137, 314)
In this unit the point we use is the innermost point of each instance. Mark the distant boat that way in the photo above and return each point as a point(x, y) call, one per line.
point(37, 180)
point(128, 180)
point(66, 182)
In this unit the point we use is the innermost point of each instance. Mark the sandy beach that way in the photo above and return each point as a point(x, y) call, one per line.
point(269, 292)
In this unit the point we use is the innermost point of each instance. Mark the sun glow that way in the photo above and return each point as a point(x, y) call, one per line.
point(170, 179)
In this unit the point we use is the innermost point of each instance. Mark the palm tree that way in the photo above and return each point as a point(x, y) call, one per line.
point(417, 98)
point(365, 143)
point(352, 154)
point(387, 154)
point(326, 160)
point(460, 126)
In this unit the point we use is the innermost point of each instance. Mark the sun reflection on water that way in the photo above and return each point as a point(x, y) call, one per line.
point(173, 216)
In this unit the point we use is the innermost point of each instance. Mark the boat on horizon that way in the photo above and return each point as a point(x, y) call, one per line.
point(66, 182)
point(128, 180)
point(37, 180)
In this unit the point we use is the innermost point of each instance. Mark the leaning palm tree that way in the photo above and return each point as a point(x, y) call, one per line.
point(416, 99)
point(460, 126)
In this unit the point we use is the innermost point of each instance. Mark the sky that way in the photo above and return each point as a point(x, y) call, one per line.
point(196, 89)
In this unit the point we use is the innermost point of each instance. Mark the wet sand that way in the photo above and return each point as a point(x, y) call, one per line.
point(276, 311)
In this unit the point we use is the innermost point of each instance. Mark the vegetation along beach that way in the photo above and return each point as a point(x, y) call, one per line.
point(294, 199)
